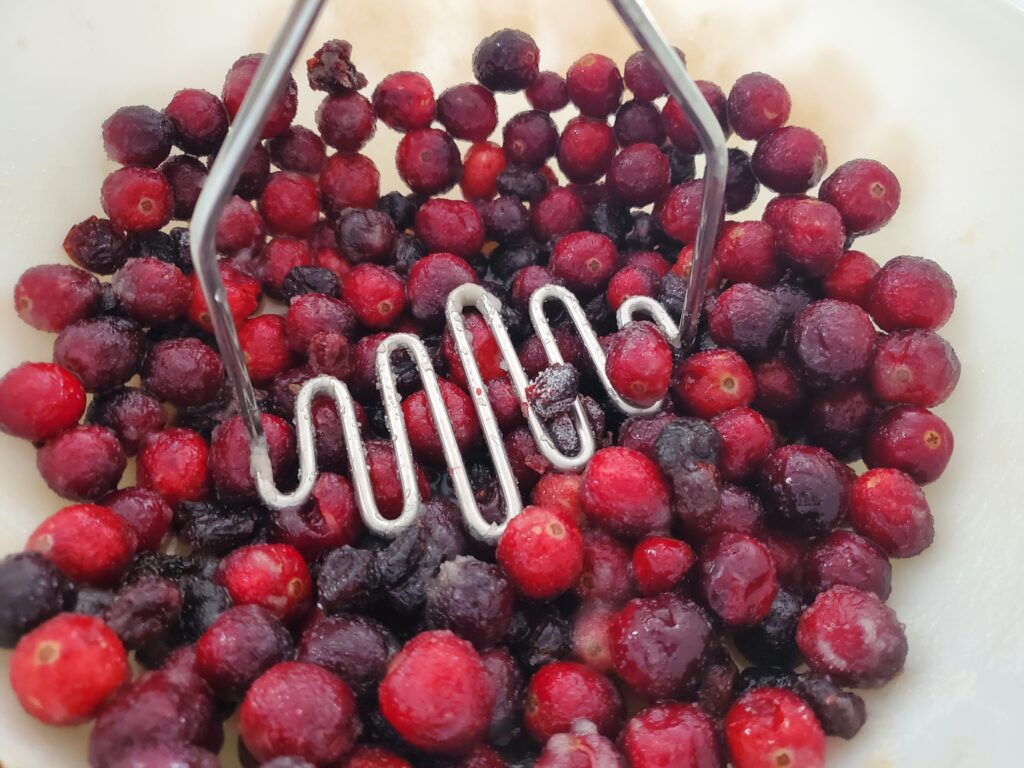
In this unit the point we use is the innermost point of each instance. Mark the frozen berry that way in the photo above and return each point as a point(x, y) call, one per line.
point(771, 727)
point(451, 226)
point(638, 175)
point(183, 372)
point(51, 297)
point(758, 103)
point(541, 552)
point(273, 576)
point(507, 60)
point(230, 466)
point(529, 138)
point(585, 261)
point(772, 642)
point(355, 648)
point(329, 519)
point(639, 122)
point(137, 199)
point(585, 149)
point(174, 464)
point(738, 578)
point(559, 212)
point(365, 235)
point(145, 511)
point(790, 159)
point(865, 193)
point(137, 136)
point(348, 181)
point(240, 227)
point(712, 382)
point(32, 590)
point(548, 92)
point(681, 131)
point(914, 368)
point(240, 645)
point(678, 212)
point(561, 693)
point(152, 292)
point(428, 161)
point(290, 204)
point(624, 492)
point(634, 280)
point(346, 121)
point(746, 252)
point(199, 119)
point(805, 489)
point(83, 463)
point(911, 292)
point(660, 563)
point(241, 291)
point(90, 544)
point(913, 440)
point(39, 401)
point(311, 314)
point(375, 294)
point(486, 352)
point(468, 112)
point(96, 245)
point(103, 352)
point(423, 435)
point(471, 598)
point(483, 164)
point(298, 149)
point(809, 236)
point(850, 278)
point(888, 507)
point(671, 734)
point(642, 76)
point(331, 69)
point(236, 85)
point(748, 319)
point(843, 557)
point(832, 343)
point(639, 364)
point(747, 439)
point(186, 176)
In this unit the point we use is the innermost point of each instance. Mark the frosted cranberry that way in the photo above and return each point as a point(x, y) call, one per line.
point(236, 84)
point(912, 440)
point(431, 279)
point(914, 367)
point(313, 313)
point(758, 103)
point(199, 119)
point(297, 149)
point(748, 319)
point(436, 694)
point(850, 278)
point(485, 351)
point(355, 648)
point(527, 462)
point(83, 463)
point(559, 212)
point(561, 693)
point(559, 492)
point(103, 352)
point(738, 511)
point(183, 372)
point(638, 122)
point(805, 488)
point(678, 212)
point(254, 174)
point(865, 193)
point(348, 181)
point(506, 681)
point(96, 245)
point(505, 404)
point(152, 291)
point(523, 183)
point(658, 645)
point(145, 511)
point(548, 92)
point(585, 149)
point(88, 543)
point(541, 552)
point(809, 236)
point(137, 136)
point(273, 576)
point(911, 292)
point(279, 258)
point(468, 111)
point(837, 419)
point(301, 710)
point(428, 161)
point(624, 492)
point(787, 553)
point(591, 635)
point(346, 121)
point(290, 204)
point(423, 434)
point(375, 294)
point(671, 734)
point(387, 489)
point(330, 354)
point(174, 464)
point(713, 382)
point(50, 297)
point(481, 167)
point(240, 227)
point(790, 159)
point(39, 400)
point(678, 127)
point(738, 578)
point(167, 755)
point(529, 138)
point(240, 645)
point(451, 226)
point(639, 175)
point(372, 757)
point(772, 727)
point(888, 507)
point(632, 280)
point(639, 364)
point(642, 76)
point(660, 563)
point(186, 176)
point(606, 564)
point(365, 235)
point(682, 268)
point(582, 747)
point(404, 101)
point(137, 199)
point(333, 262)
point(747, 439)
point(63, 670)
point(506, 61)
point(585, 261)
point(594, 85)
point(843, 557)
point(528, 280)
point(229, 455)
point(833, 342)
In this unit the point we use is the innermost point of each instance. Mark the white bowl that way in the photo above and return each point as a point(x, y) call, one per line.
point(933, 88)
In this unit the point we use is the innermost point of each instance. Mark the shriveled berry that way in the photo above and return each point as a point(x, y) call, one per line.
point(96, 245)
point(83, 463)
point(541, 552)
point(137, 136)
point(331, 69)
point(758, 103)
point(144, 611)
point(103, 352)
point(913, 440)
point(507, 60)
point(911, 292)
point(671, 734)
point(843, 557)
point(199, 119)
point(865, 193)
point(236, 85)
point(39, 401)
point(790, 159)
point(771, 727)
point(472, 599)
point(50, 297)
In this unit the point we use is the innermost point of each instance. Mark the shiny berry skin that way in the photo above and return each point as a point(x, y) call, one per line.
point(437, 695)
point(844, 557)
point(741, 186)
point(183, 372)
point(639, 364)
point(137, 136)
point(39, 401)
point(273, 576)
point(642, 76)
point(585, 261)
point(240, 227)
point(853, 637)
point(243, 298)
point(678, 127)
point(624, 493)
point(836, 419)
point(83, 463)
point(747, 318)
point(290, 204)
point(137, 199)
point(548, 92)
point(809, 236)
point(889, 508)
point(850, 278)
point(430, 281)
point(559, 212)
point(585, 149)
point(639, 175)
point(594, 85)
point(790, 159)
point(174, 464)
point(660, 563)
point(375, 294)
point(451, 226)
point(355, 648)
point(913, 440)
point(299, 710)
point(832, 343)
point(423, 436)
point(561, 693)
point(481, 167)
point(529, 139)
point(311, 314)
point(712, 382)
point(658, 645)
point(199, 119)
point(348, 181)
point(561, 493)
point(638, 122)
point(152, 292)
point(145, 511)
point(298, 149)
point(264, 346)
point(770, 727)
point(758, 103)
point(90, 544)
point(805, 489)
point(366, 235)
point(329, 519)
point(541, 552)
point(738, 578)
point(914, 368)
point(103, 352)
point(428, 161)
point(747, 439)
point(634, 280)
point(865, 193)
point(671, 734)
point(746, 253)
point(64, 669)
point(346, 121)
point(911, 292)
point(468, 111)
point(50, 297)
point(240, 645)
point(229, 455)
point(506, 61)
point(236, 84)
point(606, 564)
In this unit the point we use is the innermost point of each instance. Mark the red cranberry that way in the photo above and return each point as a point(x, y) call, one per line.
point(605, 575)
point(83, 463)
point(529, 138)
point(152, 292)
point(90, 544)
point(428, 161)
point(239, 646)
point(372, 757)
point(865, 193)
point(915, 368)
point(660, 563)
point(738, 578)
point(809, 235)
point(585, 149)
point(103, 352)
point(658, 645)
point(481, 167)
point(887, 506)
point(747, 439)
point(652, 261)
point(561, 493)
point(779, 392)
point(51, 297)
point(137, 199)
point(678, 212)
point(506, 61)
point(468, 111)
point(346, 121)
point(585, 261)
point(174, 464)
point(300, 710)
point(376, 294)
point(265, 347)
point(290, 204)
point(559, 212)
point(624, 492)
point(39, 400)
point(713, 382)
point(561, 693)
point(639, 364)
point(913, 440)
point(330, 519)
point(678, 735)
point(541, 552)
point(758, 103)
point(183, 372)
point(833, 343)
point(229, 455)
point(853, 637)
point(314, 313)
point(850, 278)
point(805, 488)
point(96, 245)
point(594, 85)
point(137, 136)
point(638, 122)
point(423, 434)
point(298, 149)
point(436, 694)
point(548, 92)
point(790, 159)
point(451, 226)
point(911, 292)
point(64, 669)
point(404, 101)
point(680, 130)
point(770, 726)
point(387, 490)
point(145, 511)
point(843, 557)
point(186, 175)
point(739, 511)
point(273, 576)
point(236, 84)
point(591, 633)
point(430, 281)
point(348, 181)
point(639, 175)
point(199, 119)
point(642, 77)
point(583, 747)
point(242, 293)
point(633, 280)
point(240, 227)
point(485, 351)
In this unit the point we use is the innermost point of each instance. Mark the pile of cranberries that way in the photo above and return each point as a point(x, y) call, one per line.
point(704, 593)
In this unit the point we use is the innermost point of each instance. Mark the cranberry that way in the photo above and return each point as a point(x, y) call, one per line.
point(254, 174)
point(594, 85)
point(738, 578)
point(850, 278)
point(137, 136)
point(152, 292)
point(640, 433)
point(83, 463)
point(183, 371)
point(39, 401)
point(779, 392)
point(833, 343)
point(541, 552)
point(914, 367)
point(790, 159)
point(660, 563)
point(423, 434)
point(865, 193)
point(561, 693)
point(506, 61)
point(560, 493)
point(649, 260)
point(741, 186)
point(186, 176)
point(229, 455)
point(658, 645)
point(809, 236)
point(240, 645)
point(375, 294)
point(639, 364)
point(678, 212)
point(331, 69)
point(298, 149)
point(290, 204)
point(199, 119)
point(748, 319)
point(468, 111)
point(585, 261)
point(428, 161)
point(486, 353)
point(242, 293)
point(559, 212)
point(451, 226)
point(522, 183)
point(529, 138)
point(347, 578)
point(638, 122)
point(772, 643)
point(888, 506)
point(174, 464)
point(145, 511)
point(483, 164)
point(90, 544)
point(591, 633)
point(843, 557)
point(330, 519)
point(51, 297)
point(913, 440)
point(64, 669)
point(681, 131)
point(638, 175)
point(32, 590)
point(747, 440)
point(585, 149)
point(387, 490)
point(805, 488)
point(348, 181)
point(713, 382)
point(471, 598)
point(671, 734)
point(624, 492)
point(548, 92)
point(430, 281)
point(273, 576)
point(911, 292)
point(773, 727)
point(240, 227)
point(265, 347)
point(837, 419)
point(436, 694)
point(96, 245)
point(633, 280)
point(606, 563)
point(643, 78)
point(137, 199)
point(365, 235)
point(346, 121)
point(372, 757)
point(313, 313)
point(103, 352)
point(758, 103)
point(236, 84)
point(355, 648)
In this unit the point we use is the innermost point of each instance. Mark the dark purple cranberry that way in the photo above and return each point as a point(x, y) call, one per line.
point(96, 245)
point(638, 175)
point(355, 648)
point(546, 637)
point(553, 391)
point(505, 219)
point(833, 343)
point(131, 414)
point(209, 527)
point(240, 645)
point(772, 643)
point(143, 611)
point(837, 420)
point(529, 138)
point(506, 61)
point(644, 235)
point(331, 69)
point(741, 185)
point(255, 173)
point(790, 159)
point(297, 149)
point(841, 713)
point(32, 590)
point(684, 443)
point(303, 280)
point(468, 111)
point(365, 235)
point(681, 163)
point(507, 260)
point(401, 209)
point(507, 683)
point(137, 136)
point(642, 77)
point(548, 92)
point(346, 121)
point(181, 256)
point(748, 319)
point(199, 119)
point(186, 176)
point(843, 557)
point(525, 184)
point(792, 298)
point(639, 122)
point(92, 601)
point(183, 372)
point(152, 292)
point(718, 683)
point(167, 566)
point(103, 352)
point(805, 489)
point(766, 677)
point(347, 580)
point(204, 602)
point(472, 599)
point(611, 219)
